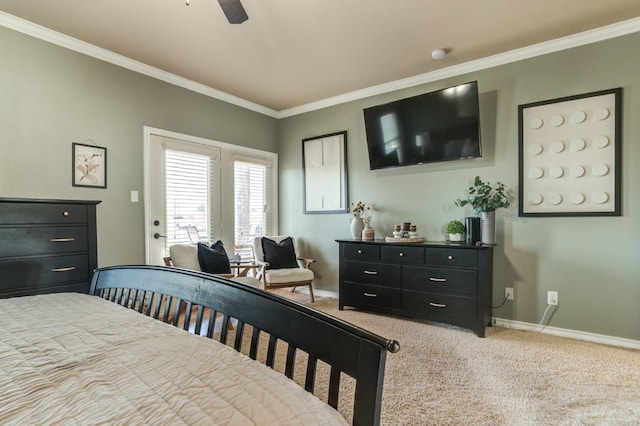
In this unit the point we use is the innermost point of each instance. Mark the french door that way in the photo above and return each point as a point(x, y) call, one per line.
point(183, 189)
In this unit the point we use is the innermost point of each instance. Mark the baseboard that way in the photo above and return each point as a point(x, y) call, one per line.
point(564, 332)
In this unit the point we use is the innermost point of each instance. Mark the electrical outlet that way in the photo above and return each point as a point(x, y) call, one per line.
point(508, 293)
point(552, 297)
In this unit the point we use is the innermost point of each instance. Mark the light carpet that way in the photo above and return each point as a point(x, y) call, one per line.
point(448, 375)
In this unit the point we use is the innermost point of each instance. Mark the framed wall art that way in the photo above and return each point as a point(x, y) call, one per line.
point(89, 165)
point(324, 170)
point(569, 155)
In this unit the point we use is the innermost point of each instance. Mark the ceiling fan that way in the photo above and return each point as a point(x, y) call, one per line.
point(233, 10)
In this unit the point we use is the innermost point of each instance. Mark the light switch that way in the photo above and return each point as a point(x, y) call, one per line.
point(134, 196)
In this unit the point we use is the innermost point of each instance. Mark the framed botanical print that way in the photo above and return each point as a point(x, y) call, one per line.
point(89, 164)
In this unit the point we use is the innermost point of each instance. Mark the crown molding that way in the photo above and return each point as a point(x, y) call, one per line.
point(587, 37)
point(51, 36)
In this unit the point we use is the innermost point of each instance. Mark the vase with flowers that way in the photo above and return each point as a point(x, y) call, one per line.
point(358, 212)
point(485, 200)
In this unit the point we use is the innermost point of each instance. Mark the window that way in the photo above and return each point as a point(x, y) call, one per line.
point(252, 181)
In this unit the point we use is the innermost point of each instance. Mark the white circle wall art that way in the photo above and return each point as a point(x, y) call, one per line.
point(601, 114)
point(554, 199)
point(535, 149)
point(535, 199)
point(557, 147)
point(556, 172)
point(600, 170)
point(535, 173)
point(535, 123)
point(600, 142)
point(577, 198)
point(578, 144)
point(576, 171)
point(599, 197)
point(578, 117)
point(556, 120)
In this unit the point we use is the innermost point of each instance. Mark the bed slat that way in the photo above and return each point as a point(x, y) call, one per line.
point(271, 350)
point(255, 340)
point(310, 380)
point(291, 359)
point(334, 387)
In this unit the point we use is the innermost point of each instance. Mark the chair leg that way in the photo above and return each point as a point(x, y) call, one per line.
point(311, 293)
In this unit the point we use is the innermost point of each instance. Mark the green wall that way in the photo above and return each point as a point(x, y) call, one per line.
point(593, 262)
point(51, 96)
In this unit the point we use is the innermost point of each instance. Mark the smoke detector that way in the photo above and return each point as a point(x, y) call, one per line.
point(438, 54)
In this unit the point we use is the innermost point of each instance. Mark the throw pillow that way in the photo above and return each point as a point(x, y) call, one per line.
point(279, 255)
point(214, 259)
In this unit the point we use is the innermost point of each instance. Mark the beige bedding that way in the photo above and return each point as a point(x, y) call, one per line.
point(76, 359)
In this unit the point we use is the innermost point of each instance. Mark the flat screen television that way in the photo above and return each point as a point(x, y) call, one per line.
point(436, 126)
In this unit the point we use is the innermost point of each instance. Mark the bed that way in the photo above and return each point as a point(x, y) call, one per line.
point(77, 358)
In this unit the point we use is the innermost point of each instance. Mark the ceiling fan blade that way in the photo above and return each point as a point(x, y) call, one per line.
point(234, 11)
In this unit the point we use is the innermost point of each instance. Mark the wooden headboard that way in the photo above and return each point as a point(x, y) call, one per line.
point(176, 295)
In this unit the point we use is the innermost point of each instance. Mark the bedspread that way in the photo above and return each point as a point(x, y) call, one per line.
point(77, 359)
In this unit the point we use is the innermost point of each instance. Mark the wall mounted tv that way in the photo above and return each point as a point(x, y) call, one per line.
point(436, 126)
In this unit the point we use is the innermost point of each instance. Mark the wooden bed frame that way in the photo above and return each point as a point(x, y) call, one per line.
point(345, 347)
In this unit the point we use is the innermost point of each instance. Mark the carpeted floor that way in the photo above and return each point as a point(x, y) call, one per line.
point(446, 375)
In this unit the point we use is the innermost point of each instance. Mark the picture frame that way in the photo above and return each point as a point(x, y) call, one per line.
point(89, 166)
point(324, 171)
point(570, 155)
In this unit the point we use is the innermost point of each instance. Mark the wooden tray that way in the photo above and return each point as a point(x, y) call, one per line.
point(404, 239)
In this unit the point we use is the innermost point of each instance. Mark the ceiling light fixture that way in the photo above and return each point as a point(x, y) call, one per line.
point(438, 54)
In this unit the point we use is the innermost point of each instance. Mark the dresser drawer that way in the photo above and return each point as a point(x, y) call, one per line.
point(403, 254)
point(452, 257)
point(24, 241)
point(372, 273)
point(370, 295)
point(42, 272)
point(40, 213)
point(361, 251)
point(439, 307)
point(461, 282)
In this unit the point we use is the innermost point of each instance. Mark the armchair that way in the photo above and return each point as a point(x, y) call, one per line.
point(279, 265)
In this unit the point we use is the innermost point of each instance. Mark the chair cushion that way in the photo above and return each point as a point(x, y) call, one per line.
point(185, 256)
point(280, 276)
point(214, 259)
point(279, 255)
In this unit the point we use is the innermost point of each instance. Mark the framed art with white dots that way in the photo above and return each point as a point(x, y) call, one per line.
point(569, 155)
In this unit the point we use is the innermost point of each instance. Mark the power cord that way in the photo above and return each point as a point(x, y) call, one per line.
point(502, 304)
point(540, 326)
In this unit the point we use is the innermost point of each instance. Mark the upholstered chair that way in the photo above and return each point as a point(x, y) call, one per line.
point(280, 265)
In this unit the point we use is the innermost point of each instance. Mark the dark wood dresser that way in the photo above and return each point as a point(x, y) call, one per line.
point(442, 282)
point(46, 246)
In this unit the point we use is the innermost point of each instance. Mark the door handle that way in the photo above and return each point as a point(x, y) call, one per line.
point(158, 236)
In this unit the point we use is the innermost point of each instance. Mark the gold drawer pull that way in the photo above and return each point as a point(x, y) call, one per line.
point(62, 240)
point(437, 305)
point(370, 294)
point(438, 280)
point(69, 268)
point(371, 272)
point(65, 214)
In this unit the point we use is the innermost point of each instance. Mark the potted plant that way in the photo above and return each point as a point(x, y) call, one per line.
point(485, 200)
point(455, 229)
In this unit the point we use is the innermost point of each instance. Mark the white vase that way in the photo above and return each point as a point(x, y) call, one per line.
point(356, 227)
point(488, 227)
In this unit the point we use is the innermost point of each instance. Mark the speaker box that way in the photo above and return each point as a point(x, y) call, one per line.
point(472, 224)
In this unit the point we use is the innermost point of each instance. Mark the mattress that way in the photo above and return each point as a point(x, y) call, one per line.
point(72, 358)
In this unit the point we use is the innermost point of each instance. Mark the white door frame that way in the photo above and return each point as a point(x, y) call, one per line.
point(227, 151)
